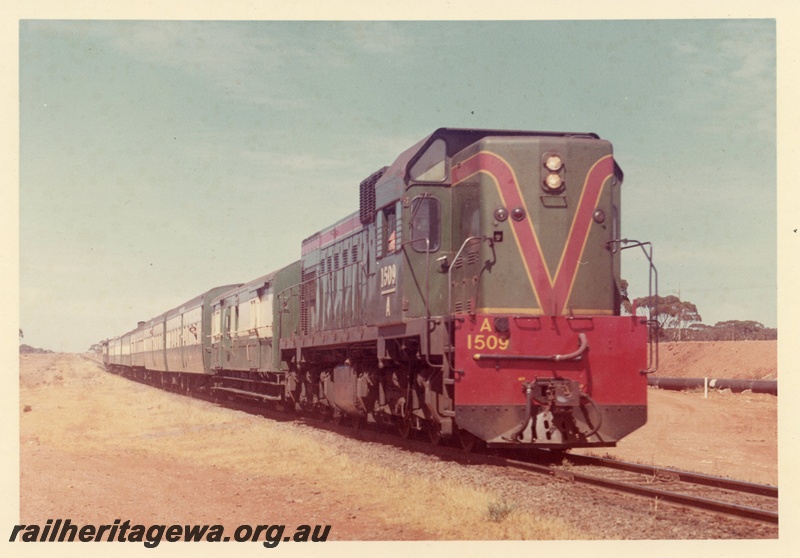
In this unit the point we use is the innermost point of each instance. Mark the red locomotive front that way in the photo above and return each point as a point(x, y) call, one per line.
point(552, 381)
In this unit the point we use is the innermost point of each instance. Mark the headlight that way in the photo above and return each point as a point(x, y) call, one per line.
point(553, 181)
point(554, 163)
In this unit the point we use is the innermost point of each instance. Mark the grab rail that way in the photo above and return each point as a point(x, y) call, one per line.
point(574, 355)
point(652, 322)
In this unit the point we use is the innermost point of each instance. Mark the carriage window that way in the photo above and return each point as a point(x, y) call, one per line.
point(255, 306)
point(215, 323)
point(425, 224)
point(431, 166)
point(233, 318)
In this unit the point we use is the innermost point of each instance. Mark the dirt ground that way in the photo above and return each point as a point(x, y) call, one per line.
point(730, 435)
point(733, 360)
point(128, 450)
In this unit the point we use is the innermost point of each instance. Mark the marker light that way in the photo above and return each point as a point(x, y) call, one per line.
point(501, 214)
point(599, 216)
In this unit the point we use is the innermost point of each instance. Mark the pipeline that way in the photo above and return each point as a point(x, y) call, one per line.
point(736, 386)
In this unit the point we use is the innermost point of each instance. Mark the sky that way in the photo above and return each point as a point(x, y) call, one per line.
point(158, 159)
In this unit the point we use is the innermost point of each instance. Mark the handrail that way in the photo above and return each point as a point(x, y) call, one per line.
point(574, 355)
point(428, 317)
point(469, 239)
point(652, 322)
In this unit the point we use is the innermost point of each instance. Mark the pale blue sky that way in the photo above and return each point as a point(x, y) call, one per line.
point(159, 159)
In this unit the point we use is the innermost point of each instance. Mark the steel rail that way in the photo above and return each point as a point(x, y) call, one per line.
point(663, 495)
point(683, 476)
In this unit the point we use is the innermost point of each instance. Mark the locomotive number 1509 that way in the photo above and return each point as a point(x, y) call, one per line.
point(491, 341)
point(480, 342)
point(388, 279)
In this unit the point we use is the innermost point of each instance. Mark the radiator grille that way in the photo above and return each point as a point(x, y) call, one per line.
point(367, 196)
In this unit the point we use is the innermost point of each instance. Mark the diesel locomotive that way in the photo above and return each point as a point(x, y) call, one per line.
point(475, 295)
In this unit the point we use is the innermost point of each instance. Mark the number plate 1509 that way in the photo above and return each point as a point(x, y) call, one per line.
point(490, 341)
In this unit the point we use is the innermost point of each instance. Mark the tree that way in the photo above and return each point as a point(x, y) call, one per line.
point(625, 303)
point(698, 332)
point(670, 312)
point(740, 330)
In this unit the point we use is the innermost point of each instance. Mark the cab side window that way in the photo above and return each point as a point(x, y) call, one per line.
point(389, 230)
point(425, 224)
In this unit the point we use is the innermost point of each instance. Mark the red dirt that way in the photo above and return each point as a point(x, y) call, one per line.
point(730, 435)
point(740, 360)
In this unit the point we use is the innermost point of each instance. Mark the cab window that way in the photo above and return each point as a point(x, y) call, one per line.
point(431, 167)
point(425, 224)
point(389, 230)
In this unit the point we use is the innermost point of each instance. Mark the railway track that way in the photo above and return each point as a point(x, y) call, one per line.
point(715, 494)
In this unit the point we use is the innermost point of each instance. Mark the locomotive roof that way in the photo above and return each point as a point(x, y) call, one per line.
point(342, 227)
point(459, 138)
point(456, 140)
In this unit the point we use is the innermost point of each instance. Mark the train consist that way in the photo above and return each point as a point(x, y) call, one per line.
point(474, 295)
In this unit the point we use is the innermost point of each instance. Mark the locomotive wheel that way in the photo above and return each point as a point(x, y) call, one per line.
point(469, 442)
point(435, 432)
